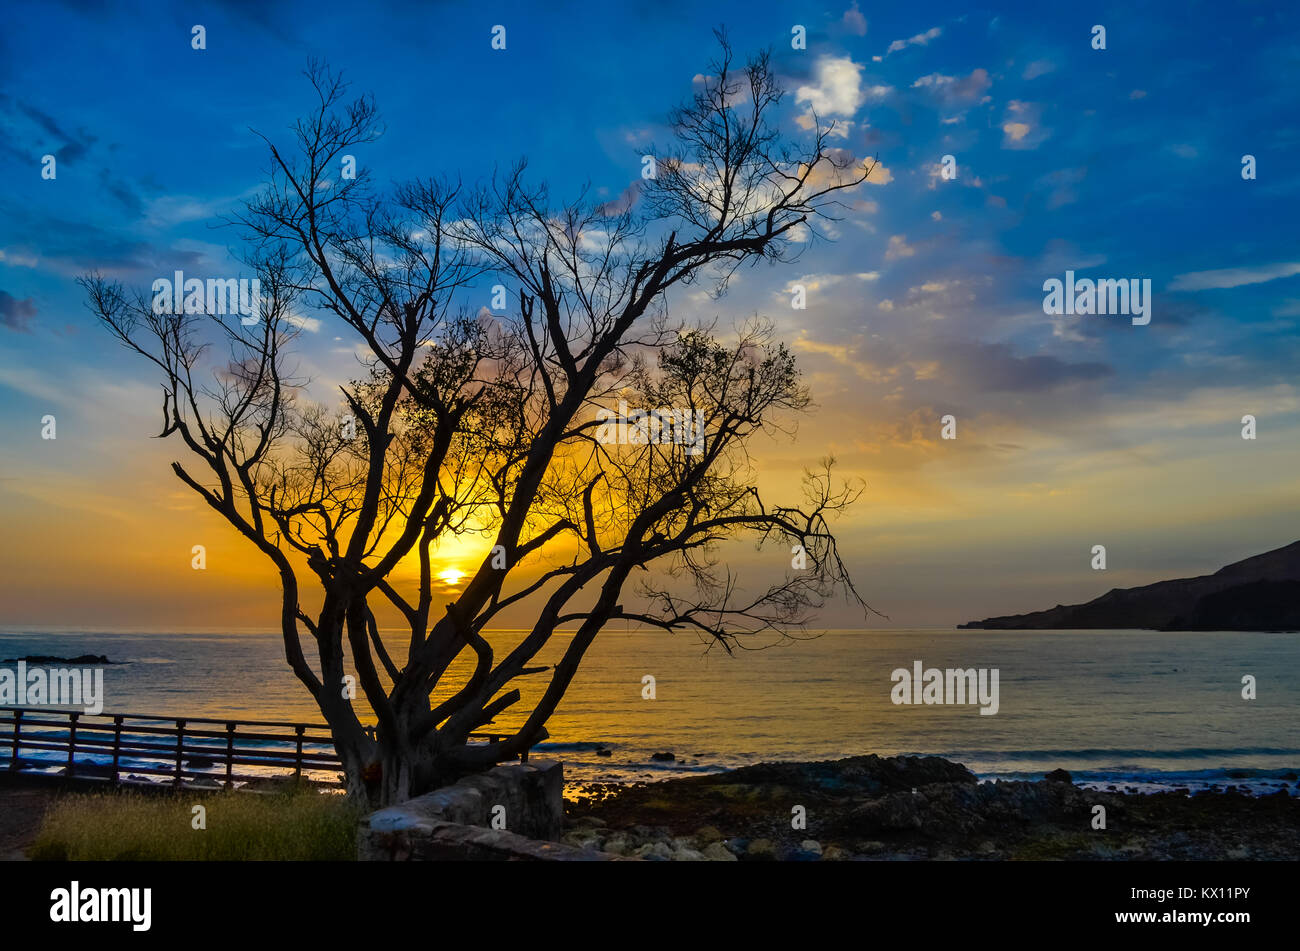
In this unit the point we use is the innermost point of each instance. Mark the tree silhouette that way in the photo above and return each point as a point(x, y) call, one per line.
point(498, 425)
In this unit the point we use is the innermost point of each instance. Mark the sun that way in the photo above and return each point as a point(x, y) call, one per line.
point(451, 576)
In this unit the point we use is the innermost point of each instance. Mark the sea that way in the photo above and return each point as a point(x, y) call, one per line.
point(1134, 710)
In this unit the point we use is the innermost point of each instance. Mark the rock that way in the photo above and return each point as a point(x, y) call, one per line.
point(617, 845)
point(654, 851)
point(200, 762)
point(811, 845)
point(736, 847)
point(687, 855)
point(707, 834)
point(1059, 776)
point(717, 852)
point(81, 660)
point(663, 757)
point(987, 848)
point(833, 853)
point(761, 850)
point(604, 752)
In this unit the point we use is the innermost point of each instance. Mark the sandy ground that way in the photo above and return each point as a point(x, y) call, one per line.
point(21, 809)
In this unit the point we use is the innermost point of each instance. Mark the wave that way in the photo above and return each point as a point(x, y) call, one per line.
point(1191, 752)
point(574, 747)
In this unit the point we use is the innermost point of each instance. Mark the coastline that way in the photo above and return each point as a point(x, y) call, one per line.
point(869, 808)
point(873, 808)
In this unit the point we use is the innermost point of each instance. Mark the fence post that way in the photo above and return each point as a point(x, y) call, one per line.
point(230, 755)
point(180, 741)
point(298, 772)
point(117, 748)
point(18, 728)
point(72, 743)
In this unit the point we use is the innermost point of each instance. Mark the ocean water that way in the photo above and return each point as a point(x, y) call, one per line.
point(1139, 709)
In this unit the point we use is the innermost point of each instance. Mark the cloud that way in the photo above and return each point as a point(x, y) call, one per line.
point(1015, 131)
point(14, 313)
point(623, 203)
point(898, 248)
point(1021, 128)
point(954, 88)
point(921, 39)
point(18, 259)
point(838, 90)
point(1039, 67)
point(1232, 277)
point(973, 366)
point(854, 21)
point(77, 145)
point(836, 129)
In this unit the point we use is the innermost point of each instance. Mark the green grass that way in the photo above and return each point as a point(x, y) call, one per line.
point(241, 826)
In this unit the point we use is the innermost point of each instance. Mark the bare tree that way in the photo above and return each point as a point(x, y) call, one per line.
point(500, 424)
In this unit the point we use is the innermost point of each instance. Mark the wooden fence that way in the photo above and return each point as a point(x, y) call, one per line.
point(134, 747)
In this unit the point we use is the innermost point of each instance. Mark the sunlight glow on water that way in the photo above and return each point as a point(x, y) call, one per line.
point(1108, 705)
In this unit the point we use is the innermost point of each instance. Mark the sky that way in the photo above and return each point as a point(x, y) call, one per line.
point(924, 301)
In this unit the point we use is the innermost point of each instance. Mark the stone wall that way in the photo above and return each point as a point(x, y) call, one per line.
point(455, 822)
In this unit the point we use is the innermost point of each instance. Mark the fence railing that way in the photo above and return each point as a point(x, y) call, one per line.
point(129, 747)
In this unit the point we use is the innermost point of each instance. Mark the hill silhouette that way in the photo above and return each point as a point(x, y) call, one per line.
point(1260, 593)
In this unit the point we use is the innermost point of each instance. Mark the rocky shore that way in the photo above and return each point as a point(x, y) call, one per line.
point(921, 808)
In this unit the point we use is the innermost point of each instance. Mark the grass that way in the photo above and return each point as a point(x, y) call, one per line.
point(131, 826)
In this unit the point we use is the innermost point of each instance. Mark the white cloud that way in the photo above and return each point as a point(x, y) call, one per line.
point(1232, 277)
point(954, 88)
point(1039, 67)
point(899, 248)
point(854, 21)
point(921, 39)
point(17, 259)
point(1015, 131)
point(838, 91)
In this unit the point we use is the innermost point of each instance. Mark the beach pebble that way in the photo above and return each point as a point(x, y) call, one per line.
point(717, 852)
point(811, 845)
point(760, 849)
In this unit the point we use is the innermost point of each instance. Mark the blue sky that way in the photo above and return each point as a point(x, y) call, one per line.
point(1116, 163)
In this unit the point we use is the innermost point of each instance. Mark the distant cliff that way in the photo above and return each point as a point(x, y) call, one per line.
point(1261, 593)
